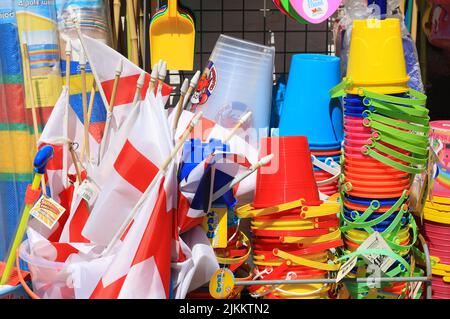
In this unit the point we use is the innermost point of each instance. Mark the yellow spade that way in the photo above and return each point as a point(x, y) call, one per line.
point(172, 39)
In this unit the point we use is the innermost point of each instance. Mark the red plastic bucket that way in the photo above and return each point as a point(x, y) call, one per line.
point(294, 177)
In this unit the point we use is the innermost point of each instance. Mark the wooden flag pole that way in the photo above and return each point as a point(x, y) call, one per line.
point(192, 87)
point(153, 78)
point(262, 162)
point(85, 151)
point(139, 85)
point(162, 73)
point(112, 101)
point(241, 122)
point(91, 101)
point(161, 171)
point(179, 107)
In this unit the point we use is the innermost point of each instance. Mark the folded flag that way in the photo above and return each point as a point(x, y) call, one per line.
point(128, 168)
point(196, 189)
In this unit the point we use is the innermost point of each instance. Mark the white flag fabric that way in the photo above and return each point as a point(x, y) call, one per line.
point(207, 130)
point(128, 169)
point(199, 264)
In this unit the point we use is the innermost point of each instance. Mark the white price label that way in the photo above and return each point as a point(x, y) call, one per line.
point(376, 241)
point(89, 191)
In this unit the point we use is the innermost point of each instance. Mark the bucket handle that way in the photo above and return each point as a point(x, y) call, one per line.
point(22, 281)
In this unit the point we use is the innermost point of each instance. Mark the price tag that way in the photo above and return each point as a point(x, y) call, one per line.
point(216, 226)
point(346, 268)
point(89, 191)
point(221, 284)
point(376, 241)
point(47, 211)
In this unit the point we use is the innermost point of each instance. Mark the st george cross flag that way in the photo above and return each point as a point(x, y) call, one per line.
point(141, 266)
point(128, 168)
point(196, 189)
point(103, 61)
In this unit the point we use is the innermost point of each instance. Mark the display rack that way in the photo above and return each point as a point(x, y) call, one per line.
point(254, 20)
point(425, 279)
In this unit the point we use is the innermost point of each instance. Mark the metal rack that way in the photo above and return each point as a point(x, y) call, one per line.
point(426, 279)
point(254, 20)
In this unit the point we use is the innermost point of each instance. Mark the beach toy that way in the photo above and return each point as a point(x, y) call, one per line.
point(290, 11)
point(40, 163)
point(440, 142)
point(231, 87)
point(315, 11)
point(310, 79)
point(172, 39)
point(292, 177)
point(376, 60)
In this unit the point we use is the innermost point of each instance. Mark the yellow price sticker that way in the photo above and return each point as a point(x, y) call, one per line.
point(221, 284)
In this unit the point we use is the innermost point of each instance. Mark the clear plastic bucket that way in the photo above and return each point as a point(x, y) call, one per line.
point(51, 280)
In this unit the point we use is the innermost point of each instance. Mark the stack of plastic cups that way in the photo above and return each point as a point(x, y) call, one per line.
point(308, 110)
point(385, 145)
point(436, 213)
point(294, 232)
point(240, 80)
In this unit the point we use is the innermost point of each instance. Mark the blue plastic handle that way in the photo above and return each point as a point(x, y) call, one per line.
point(41, 159)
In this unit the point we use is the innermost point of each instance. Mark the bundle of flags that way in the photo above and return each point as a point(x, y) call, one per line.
point(137, 234)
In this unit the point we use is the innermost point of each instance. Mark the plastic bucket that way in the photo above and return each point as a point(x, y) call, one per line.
point(292, 177)
point(50, 279)
point(376, 57)
point(310, 79)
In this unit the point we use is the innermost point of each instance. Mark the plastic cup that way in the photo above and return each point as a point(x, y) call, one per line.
point(294, 178)
point(237, 91)
point(310, 79)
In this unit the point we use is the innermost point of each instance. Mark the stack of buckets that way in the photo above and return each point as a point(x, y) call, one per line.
point(385, 144)
point(294, 233)
point(308, 110)
point(436, 213)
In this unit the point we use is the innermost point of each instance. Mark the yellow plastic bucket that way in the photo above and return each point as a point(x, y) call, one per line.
point(376, 59)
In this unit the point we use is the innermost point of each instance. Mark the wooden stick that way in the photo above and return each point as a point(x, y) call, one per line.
point(241, 122)
point(85, 151)
point(179, 107)
point(192, 87)
point(264, 161)
point(162, 73)
point(414, 18)
point(68, 59)
point(66, 110)
point(75, 162)
point(153, 78)
point(204, 75)
point(112, 101)
point(91, 101)
point(139, 85)
point(161, 171)
point(117, 5)
point(29, 79)
point(132, 32)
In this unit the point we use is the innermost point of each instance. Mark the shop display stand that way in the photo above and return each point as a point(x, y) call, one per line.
point(426, 279)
